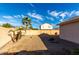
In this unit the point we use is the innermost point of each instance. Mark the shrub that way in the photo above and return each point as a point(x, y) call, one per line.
point(34, 28)
point(7, 25)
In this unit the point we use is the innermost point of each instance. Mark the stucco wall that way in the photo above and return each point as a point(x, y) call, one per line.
point(4, 38)
point(70, 32)
point(38, 32)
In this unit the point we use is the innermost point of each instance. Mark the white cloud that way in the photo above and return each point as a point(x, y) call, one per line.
point(32, 5)
point(50, 18)
point(2, 22)
point(37, 21)
point(59, 15)
point(69, 14)
point(77, 13)
point(12, 19)
point(19, 16)
point(14, 23)
point(14, 16)
point(34, 15)
point(72, 12)
point(61, 20)
point(63, 14)
point(8, 17)
point(22, 16)
point(53, 13)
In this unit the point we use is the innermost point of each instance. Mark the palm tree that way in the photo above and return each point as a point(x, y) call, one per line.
point(27, 22)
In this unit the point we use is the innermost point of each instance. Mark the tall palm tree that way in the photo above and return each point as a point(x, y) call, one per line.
point(26, 21)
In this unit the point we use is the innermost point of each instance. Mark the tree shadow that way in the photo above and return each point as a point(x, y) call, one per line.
point(39, 52)
point(57, 45)
point(52, 43)
point(23, 52)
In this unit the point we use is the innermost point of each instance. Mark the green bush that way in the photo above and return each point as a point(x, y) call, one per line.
point(34, 28)
point(7, 25)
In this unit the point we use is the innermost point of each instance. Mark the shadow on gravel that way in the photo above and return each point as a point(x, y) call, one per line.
point(45, 52)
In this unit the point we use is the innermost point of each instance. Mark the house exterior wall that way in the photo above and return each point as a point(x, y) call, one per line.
point(70, 32)
point(46, 26)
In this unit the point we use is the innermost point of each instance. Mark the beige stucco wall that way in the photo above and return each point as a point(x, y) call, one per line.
point(38, 32)
point(70, 32)
point(4, 38)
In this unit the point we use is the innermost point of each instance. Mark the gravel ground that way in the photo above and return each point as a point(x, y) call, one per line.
point(4, 36)
point(38, 45)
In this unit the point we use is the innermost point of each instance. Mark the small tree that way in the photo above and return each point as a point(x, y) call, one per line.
point(35, 28)
point(7, 25)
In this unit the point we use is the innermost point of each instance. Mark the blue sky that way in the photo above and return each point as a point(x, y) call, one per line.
point(53, 13)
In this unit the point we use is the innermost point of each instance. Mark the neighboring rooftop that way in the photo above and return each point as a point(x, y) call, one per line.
point(46, 23)
point(71, 20)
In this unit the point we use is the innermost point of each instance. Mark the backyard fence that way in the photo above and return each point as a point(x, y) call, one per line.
point(38, 32)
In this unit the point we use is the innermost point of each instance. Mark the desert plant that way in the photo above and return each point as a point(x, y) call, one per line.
point(15, 37)
point(35, 28)
point(11, 33)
